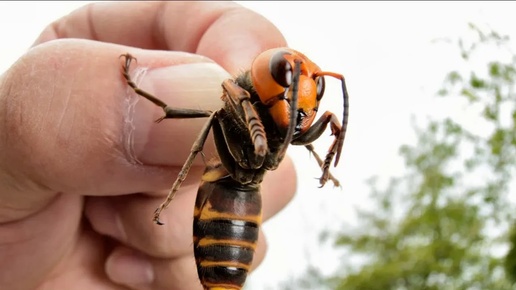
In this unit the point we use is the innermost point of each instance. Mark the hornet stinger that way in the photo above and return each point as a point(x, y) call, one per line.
point(266, 109)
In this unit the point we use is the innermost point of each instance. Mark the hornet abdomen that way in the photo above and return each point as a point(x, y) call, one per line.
point(227, 219)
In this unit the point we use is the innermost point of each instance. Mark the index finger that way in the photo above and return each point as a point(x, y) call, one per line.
point(226, 32)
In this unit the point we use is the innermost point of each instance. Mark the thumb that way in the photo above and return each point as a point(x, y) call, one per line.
point(70, 123)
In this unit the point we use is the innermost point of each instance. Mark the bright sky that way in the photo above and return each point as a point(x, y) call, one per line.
point(392, 68)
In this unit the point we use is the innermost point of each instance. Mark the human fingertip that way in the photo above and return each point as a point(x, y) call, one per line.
point(127, 267)
point(246, 35)
point(105, 218)
point(279, 188)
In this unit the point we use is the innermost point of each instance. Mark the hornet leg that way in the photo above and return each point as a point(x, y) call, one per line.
point(196, 148)
point(170, 113)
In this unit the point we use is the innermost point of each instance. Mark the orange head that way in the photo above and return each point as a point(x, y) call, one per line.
point(272, 74)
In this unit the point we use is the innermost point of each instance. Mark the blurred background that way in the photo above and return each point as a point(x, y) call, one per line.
point(427, 164)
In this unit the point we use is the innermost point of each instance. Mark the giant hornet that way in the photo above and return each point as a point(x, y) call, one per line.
point(272, 105)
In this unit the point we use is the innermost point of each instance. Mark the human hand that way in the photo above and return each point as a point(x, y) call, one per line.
point(83, 165)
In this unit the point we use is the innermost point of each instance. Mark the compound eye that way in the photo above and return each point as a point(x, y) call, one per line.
point(281, 70)
point(319, 81)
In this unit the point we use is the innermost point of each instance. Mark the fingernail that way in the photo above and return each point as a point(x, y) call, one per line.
point(130, 268)
point(189, 86)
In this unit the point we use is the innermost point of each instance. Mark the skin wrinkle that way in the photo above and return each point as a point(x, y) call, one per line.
point(159, 26)
point(42, 91)
point(52, 94)
point(200, 32)
point(27, 235)
point(72, 121)
point(94, 14)
point(55, 28)
point(109, 134)
point(57, 121)
point(49, 100)
point(66, 109)
point(121, 138)
point(128, 130)
point(91, 23)
point(5, 83)
point(14, 115)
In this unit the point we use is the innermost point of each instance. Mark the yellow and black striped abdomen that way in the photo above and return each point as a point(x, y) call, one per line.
point(227, 220)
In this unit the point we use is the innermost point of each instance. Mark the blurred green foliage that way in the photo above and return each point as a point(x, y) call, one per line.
point(447, 222)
